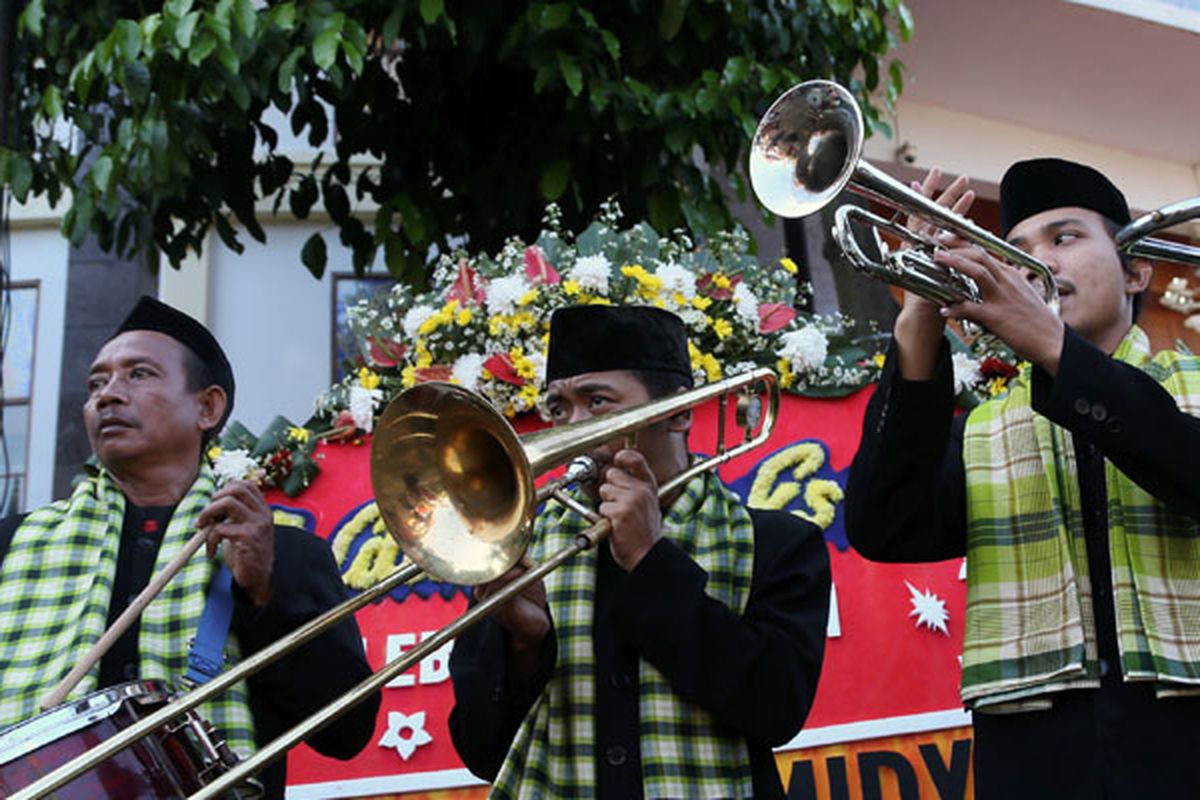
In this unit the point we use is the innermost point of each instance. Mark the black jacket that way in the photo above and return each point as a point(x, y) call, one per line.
point(305, 583)
point(756, 673)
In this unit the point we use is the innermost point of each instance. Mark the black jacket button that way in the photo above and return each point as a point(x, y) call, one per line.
point(1082, 406)
point(615, 755)
point(1099, 413)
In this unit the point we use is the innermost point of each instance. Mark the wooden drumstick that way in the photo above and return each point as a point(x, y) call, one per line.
point(126, 619)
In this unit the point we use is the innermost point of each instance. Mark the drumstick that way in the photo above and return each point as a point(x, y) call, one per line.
point(123, 622)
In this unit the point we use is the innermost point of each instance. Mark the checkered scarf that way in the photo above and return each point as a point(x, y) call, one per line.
point(682, 753)
point(58, 578)
point(1029, 620)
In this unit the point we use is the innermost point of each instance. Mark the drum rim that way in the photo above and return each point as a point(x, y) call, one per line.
point(74, 715)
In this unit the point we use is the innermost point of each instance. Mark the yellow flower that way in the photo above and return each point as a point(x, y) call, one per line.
point(701, 303)
point(997, 385)
point(529, 393)
point(523, 366)
point(424, 357)
point(367, 378)
point(495, 325)
point(648, 286)
point(722, 327)
point(297, 434)
point(721, 280)
point(408, 377)
point(786, 378)
point(214, 452)
point(463, 317)
point(712, 367)
point(878, 360)
point(529, 297)
point(789, 265)
point(570, 288)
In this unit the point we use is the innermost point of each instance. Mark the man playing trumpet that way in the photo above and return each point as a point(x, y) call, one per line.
point(1074, 497)
point(670, 659)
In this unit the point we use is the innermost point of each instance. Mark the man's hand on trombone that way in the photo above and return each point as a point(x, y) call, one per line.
point(629, 500)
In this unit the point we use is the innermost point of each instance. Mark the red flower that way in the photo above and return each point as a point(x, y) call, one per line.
point(343, 427)
point(468, 286)
point(774, 316)
point(501, 367)
point(438, 372)
point(537, 268)
point(993, 367)
point(706, 286)
point(384, 353)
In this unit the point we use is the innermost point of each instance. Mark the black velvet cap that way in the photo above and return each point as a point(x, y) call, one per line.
point(599, 338)
point(152, 315)
point(1040, 184)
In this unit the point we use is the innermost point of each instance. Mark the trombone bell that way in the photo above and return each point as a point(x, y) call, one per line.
point(452, 483)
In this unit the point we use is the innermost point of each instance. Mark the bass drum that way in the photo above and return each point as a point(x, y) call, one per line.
point(173, 762)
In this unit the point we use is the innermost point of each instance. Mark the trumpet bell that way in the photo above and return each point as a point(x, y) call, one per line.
point(452, 483)
point(806, 148)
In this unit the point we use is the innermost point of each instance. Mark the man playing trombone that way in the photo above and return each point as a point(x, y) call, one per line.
point(158, 392)
point(1074, 497)
point(667, 661)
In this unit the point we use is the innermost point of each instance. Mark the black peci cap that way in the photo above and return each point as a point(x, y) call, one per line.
point(1040, 184)
point(597, 338)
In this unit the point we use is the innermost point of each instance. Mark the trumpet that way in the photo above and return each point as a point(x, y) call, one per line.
point(808, 149)
point(455, 488)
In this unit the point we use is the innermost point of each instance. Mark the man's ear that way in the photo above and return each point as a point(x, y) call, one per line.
point(1137, 277)
point(681, 422)
point(211, 404)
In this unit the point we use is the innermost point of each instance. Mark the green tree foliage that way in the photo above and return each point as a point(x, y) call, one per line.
point(456, 117)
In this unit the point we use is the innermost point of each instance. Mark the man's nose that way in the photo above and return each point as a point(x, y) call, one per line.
point(111, 391)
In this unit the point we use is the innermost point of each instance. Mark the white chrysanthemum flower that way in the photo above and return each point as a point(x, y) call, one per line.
point(806, 348)
point(741, 368)
point(747, 305)
point(468, 370)
point(966, 372)
point(676, 278)
point(503, 293)
point(591, 273)
point(233, 465)
point(693, 318)
point(362, 406)
point(415, 318)
point(539, 365)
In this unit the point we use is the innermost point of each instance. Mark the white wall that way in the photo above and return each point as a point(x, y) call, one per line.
point(41, 254)
point(275, 322)
point(984, 148)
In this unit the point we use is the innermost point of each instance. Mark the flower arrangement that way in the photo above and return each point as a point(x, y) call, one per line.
point(485, 323)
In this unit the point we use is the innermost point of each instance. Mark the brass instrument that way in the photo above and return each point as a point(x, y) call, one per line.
point(808, 149)
point(451, 476)
point(1134, 239)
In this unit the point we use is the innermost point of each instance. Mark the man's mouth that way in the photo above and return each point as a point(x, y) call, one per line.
point(113, 423)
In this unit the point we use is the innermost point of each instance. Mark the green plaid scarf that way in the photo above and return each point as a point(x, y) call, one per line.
point(682, 753)
point(58, 577)
point(1029, 622)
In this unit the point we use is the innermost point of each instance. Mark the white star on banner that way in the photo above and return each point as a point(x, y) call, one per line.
point(929, 609)
point(398, 724)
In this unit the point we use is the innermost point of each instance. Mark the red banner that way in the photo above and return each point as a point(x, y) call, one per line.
point(891, 667)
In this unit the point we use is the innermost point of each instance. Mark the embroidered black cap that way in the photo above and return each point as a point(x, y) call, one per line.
point(599, 338)
point(1040, 184)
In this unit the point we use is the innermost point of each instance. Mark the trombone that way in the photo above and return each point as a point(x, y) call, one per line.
point(1135, 240)
point(808, 149)
point(461, 505)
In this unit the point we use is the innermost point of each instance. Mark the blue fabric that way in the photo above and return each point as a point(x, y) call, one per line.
point(207, 654)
